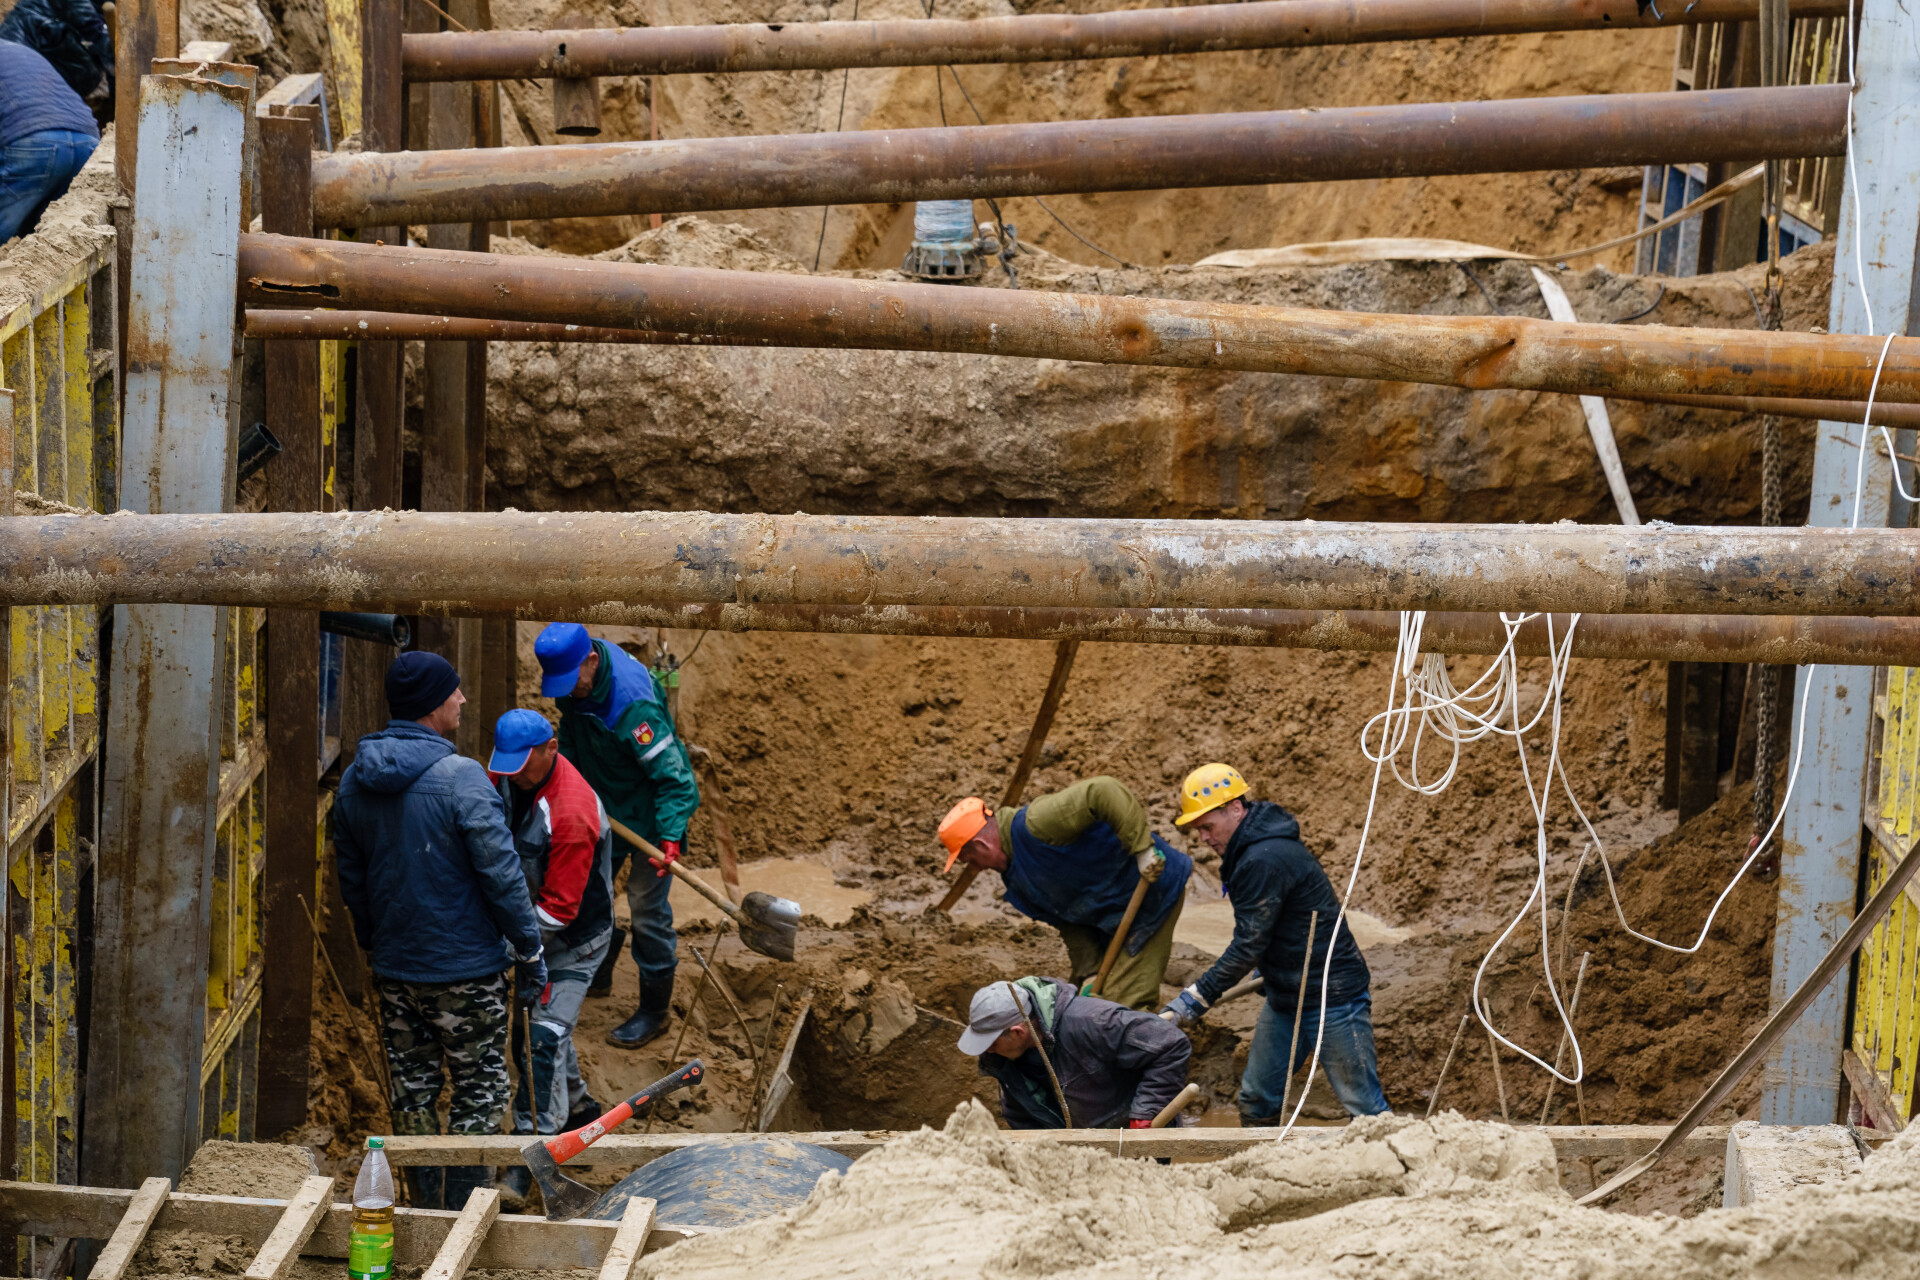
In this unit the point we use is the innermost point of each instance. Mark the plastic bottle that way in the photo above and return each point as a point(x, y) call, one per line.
point(370, 1244)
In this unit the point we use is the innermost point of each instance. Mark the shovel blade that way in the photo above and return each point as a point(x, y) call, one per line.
point(776, 942)
point(775, 913)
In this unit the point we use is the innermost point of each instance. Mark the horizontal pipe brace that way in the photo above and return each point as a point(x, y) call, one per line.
point(401, 326)
point(924, 42)
point(1478, 352)
point(1660, 637)
point(1141, 153)
point(627, 568)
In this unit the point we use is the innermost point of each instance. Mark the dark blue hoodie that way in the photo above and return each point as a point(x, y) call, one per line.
point(1276, 885)
point(427, 866)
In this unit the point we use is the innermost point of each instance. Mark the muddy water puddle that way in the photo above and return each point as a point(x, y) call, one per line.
point(806, 882)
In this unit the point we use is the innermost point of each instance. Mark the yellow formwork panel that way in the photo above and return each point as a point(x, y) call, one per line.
point(1886, 1022)
point(64, 429)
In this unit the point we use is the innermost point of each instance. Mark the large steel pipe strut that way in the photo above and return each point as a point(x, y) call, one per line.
point(616, 567)
point(400, 325)
point(921, 42)
point(1137, 154)
point(1479, 352)
point(1663, 637)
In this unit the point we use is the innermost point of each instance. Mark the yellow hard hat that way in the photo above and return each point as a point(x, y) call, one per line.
point(1206, 789)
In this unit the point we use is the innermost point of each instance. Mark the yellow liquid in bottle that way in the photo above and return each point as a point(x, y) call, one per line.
point(370, 1243)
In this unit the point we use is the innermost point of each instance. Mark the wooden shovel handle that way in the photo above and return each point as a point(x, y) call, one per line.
point(1174, 1108)
point(654, 855)
point(1119, 937)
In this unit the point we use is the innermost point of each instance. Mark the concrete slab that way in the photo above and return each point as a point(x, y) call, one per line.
point(1764, 1160)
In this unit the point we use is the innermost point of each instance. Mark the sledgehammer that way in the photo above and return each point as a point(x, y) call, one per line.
point(566, 1198)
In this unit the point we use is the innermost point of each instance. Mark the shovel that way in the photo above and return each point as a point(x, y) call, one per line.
point(767, 924)
point(566, 1198)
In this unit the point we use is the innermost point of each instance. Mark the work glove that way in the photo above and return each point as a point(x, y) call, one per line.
point(1139, 1124)
point(1186, 1007)
point(669, 854)
point(530, 980)
point(1151, 864)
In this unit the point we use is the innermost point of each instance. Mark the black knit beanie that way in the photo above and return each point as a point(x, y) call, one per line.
point(418, 682)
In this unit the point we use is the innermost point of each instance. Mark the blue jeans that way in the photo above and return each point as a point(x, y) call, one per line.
point(1346, 1055)
point(655, 946)
point(36, 170)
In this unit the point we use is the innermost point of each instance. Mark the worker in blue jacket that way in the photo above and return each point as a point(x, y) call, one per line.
point(1277, 885)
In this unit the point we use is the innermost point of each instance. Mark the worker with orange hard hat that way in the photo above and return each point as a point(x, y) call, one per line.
point(1071, 860)
point(1277, 886)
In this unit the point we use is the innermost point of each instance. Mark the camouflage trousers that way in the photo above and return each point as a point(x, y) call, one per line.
point(442, 1029)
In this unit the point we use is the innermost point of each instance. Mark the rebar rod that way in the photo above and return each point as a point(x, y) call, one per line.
point(639, 568)
point(1480, 352)
point(922, 42)
point(1140, 153)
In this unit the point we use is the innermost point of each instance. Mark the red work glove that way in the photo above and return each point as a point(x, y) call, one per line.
point(670, 849)
point(1139, 1124)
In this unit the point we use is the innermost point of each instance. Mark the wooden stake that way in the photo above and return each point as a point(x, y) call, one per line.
point(1299, 1008)
point(1493, 1051)
point(463, 1242)
point(1452, 1049)
point(1573, 1008)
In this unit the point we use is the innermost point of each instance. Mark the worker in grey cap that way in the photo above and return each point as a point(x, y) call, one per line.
point(1068, 1061)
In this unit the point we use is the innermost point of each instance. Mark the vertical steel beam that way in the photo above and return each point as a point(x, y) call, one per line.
point(162, 774)
point(1822, 831)
point(293, 673)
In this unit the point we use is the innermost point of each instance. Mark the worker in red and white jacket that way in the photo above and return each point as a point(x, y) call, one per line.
point(566, 852)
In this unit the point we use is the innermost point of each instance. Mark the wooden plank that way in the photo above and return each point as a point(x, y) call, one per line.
point(135, 1220)
point(1871, 1090)
point(781, 1082)
point(292, 385)
point(515, 1242)
point(469, 1232)
point(290, 1234)
point(630, 1241)
point(635, 1149)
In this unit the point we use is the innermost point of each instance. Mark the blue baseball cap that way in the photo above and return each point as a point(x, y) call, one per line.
point(561, 648)
point(515, 737)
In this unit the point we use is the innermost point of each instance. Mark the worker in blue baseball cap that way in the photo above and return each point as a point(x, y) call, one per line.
point(566, 852)
point(614, 728)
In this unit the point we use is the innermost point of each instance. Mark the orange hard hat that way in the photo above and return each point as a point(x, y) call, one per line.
point(962, 823)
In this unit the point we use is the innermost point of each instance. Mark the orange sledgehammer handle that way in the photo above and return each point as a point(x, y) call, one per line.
point(566, 1146)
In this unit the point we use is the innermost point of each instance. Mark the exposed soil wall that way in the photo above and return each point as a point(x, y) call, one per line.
point(580, 427)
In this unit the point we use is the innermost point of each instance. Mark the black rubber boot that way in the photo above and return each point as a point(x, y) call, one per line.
point(514, 1184)
point(586, 1111)
point(463, 1180)
point(656, 1008)
point(602, 984)
point(1259, 1122)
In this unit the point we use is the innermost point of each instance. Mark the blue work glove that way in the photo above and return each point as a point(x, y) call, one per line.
point(530, 980)
point(1186, 1007)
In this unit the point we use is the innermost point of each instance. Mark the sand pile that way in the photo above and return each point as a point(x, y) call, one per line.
point(1394, 1197)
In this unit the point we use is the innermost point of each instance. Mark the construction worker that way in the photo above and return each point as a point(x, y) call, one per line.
point(1041, 1039)
point(1072, 859)
point(429, 874)
point(1276, 885)
point(614, 728)
point(566, 853)
point(46, 135)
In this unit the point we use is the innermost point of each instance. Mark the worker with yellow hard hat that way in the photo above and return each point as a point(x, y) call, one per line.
point(1277, 886)
point(1071, 860)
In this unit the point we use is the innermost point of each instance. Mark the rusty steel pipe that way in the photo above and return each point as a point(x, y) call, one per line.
point(1136, 154)
point(1479, 352)
point(1899, 416)
point(314, 325)
point(628, 567)
point(923, 42)
point(1662, 637)
point(397, 326)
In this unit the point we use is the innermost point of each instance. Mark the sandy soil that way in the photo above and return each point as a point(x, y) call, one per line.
point(1395, 1197)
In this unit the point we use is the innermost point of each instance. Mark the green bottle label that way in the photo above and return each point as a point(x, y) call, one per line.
point(370, 1254)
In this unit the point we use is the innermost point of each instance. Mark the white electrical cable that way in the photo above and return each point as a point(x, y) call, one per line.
point(1434, 705)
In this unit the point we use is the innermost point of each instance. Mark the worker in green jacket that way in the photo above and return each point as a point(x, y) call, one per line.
point(614, 728)
point(1071, 860)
